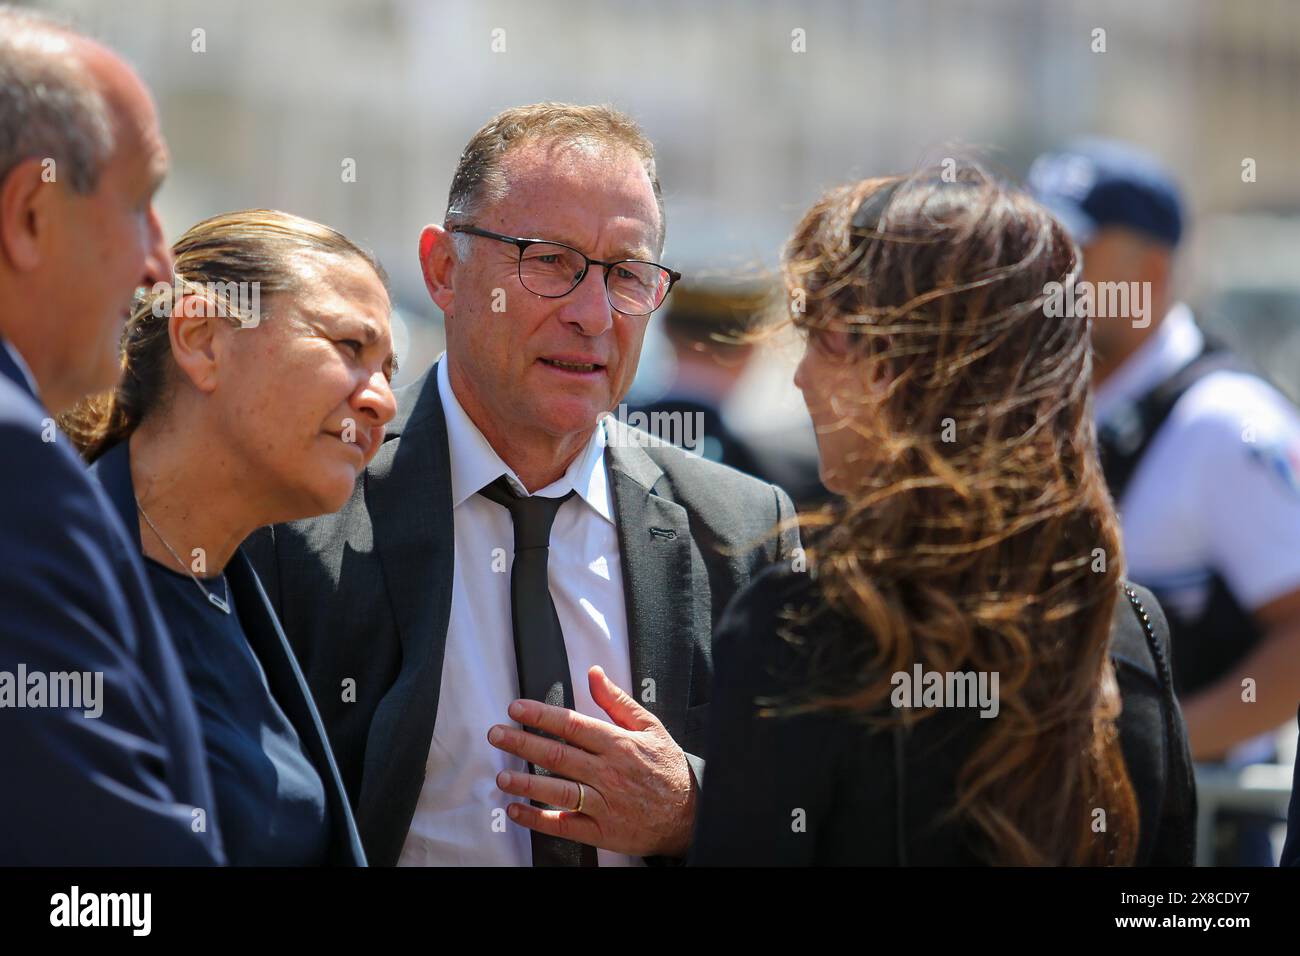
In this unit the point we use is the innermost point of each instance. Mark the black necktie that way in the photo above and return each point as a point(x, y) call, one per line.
point(540, 656)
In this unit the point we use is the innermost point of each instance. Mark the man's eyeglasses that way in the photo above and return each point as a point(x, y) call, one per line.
point(553, 270)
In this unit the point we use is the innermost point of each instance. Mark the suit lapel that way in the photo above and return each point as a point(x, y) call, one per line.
point(290, 690)
point(655, 551)
point(408, 495)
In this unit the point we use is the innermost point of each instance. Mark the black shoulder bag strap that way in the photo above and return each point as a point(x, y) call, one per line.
point(1185, 789)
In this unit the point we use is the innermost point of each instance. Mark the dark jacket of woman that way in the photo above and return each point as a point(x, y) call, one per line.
point(268, 644)
point(823, 788)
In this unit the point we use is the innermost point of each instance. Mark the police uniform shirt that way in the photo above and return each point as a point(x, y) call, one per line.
point(1218, 488)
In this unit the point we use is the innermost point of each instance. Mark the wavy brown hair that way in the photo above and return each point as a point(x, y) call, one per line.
point(970, 539)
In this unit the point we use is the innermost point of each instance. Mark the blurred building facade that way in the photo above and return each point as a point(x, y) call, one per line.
point(755, 106)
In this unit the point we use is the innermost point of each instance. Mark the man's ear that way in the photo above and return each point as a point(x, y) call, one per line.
point(27, 214)
point(437, 261)
point(192, 328)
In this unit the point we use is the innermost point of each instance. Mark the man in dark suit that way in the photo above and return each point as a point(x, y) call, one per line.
point(114, 774)
point(512, 541)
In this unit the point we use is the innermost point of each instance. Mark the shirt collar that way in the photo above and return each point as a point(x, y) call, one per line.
point(16, 357)
point(1175, 343)
point(475, 463)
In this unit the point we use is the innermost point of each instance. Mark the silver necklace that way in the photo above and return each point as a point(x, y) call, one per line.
point(221, 604)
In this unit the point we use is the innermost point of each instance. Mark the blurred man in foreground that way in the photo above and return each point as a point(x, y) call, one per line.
point(99, 742)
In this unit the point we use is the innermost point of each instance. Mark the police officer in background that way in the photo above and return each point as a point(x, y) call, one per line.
point(1202, 456)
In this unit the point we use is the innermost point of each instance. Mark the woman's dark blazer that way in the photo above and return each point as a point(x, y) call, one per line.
point(821, 788)
point(267, 640)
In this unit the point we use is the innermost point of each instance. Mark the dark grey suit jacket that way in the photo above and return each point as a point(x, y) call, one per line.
point(364, 596)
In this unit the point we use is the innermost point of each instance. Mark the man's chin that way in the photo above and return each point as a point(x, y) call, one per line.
point(565, 418)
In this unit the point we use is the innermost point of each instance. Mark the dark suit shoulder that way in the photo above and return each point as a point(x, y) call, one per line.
point(23, 431)
point(730, 511)
point(318, 544)
point(74, 601)
point(43, 478)
point(704, 479)
point(18, 410)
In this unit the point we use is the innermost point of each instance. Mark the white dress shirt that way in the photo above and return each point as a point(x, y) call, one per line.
point(1218, 488)
point(460, 816)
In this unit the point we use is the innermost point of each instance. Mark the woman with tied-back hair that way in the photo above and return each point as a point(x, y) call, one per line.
point(254, 390)
point(972, 539)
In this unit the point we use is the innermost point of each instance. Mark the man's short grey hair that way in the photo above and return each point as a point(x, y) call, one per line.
point(49, 106)
point(479, 179)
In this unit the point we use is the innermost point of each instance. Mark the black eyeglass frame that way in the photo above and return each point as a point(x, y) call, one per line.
point(522, 244)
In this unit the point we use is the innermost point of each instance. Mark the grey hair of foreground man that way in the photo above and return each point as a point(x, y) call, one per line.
point(81, 158)
point(48, 107)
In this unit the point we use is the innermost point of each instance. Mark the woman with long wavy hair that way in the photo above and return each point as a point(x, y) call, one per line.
point(957, 673)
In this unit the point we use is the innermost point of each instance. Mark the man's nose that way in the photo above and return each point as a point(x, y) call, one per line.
point(158, 258)
point(587, 307)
